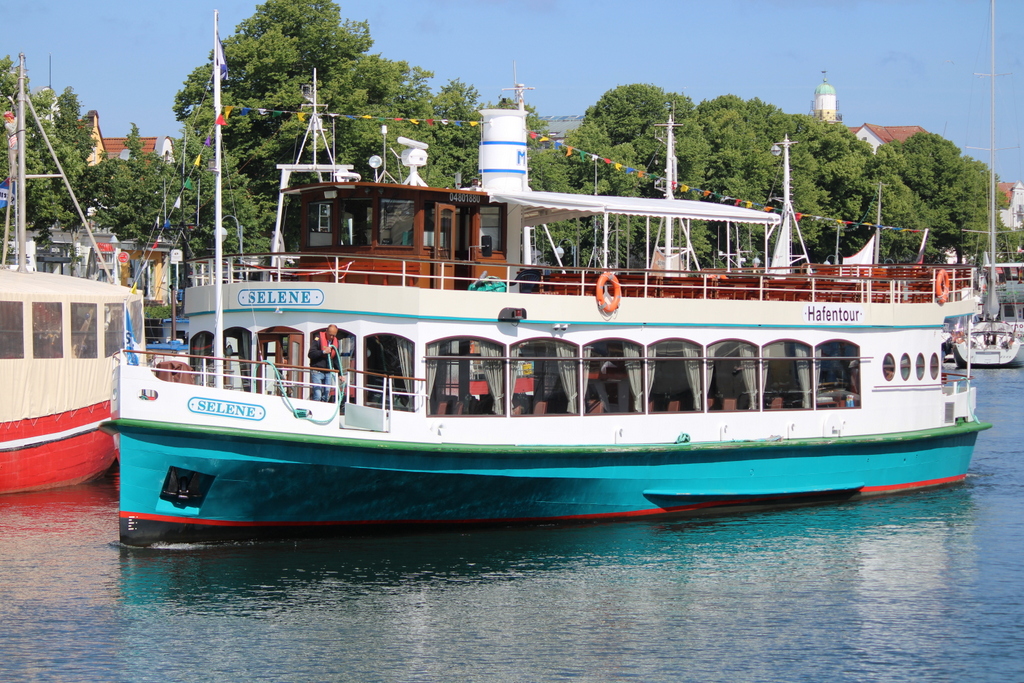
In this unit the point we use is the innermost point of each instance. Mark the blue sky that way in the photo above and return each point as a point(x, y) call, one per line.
point(892, 62)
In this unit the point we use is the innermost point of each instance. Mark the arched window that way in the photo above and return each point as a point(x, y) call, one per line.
point(732, 376)
point(460, 379)
point(838, 374)
point(674, 381)
point(612, 383)
point(787, 376)
point(389, 355)
point(546, 380)
point(201, 344)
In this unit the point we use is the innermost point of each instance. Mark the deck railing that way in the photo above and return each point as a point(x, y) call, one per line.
point(910, 283)
point(290, 381)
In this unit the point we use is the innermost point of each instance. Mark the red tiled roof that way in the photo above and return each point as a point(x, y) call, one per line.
point(115, 146)
point(1006, 189)
point(890, 133)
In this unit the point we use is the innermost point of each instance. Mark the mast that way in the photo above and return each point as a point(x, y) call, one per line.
point(218, 215)
point(20, 190)
point(991, 310)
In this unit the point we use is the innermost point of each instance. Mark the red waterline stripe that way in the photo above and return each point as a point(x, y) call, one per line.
point(918, 484)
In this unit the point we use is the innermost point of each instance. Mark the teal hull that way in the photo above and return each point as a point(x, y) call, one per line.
point(194, 484)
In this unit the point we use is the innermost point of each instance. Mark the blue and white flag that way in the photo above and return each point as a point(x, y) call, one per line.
point(129, 337)
point(5, 192)
point(218, 59)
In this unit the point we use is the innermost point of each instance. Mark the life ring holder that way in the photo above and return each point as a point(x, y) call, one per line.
point(942, 285)
point(608, 306)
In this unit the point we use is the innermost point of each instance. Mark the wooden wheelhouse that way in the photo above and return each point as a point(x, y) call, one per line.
point(387, 233)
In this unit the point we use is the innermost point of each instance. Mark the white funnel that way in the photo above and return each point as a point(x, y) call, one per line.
point(503, 155)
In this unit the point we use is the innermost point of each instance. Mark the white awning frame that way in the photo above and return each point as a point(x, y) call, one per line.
point(547, 207)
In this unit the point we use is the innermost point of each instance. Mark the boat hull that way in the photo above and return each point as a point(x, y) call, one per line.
point(56, 450)
point(273, 485)
point(994, 358)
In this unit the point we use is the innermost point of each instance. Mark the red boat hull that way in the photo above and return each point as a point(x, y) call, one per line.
point(56, 450)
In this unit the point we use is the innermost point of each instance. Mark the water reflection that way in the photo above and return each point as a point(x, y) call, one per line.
point(745, 594)
point(925, 586)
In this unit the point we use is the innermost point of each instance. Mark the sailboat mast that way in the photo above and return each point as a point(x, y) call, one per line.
point(20, 190)
point(992, 157)
point(218, 216)
point(990, 310)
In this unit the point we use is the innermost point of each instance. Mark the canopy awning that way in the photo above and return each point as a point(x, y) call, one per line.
point(546, 207)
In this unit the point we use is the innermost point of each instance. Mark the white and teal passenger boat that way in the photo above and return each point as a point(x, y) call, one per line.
point(480, 388)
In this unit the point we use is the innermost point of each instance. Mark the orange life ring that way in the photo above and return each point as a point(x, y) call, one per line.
point(608, 305)
point(942, 285)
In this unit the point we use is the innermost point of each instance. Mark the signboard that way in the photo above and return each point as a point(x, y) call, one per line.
point(242, 411)
point(280, 297)
point(834, 314)
point(122, 257)
point(176, 255)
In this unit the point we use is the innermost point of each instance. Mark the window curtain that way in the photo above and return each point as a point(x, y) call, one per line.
point(634, 370)
point(404, 349)
point(494, 373)
point(518, 370)
point(693, 374)
point(749, 372)
point(710, 364)
point(803, 373)
point(567, 371)
point(433, 349)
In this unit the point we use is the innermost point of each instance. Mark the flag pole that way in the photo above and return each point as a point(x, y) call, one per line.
point(218, 266)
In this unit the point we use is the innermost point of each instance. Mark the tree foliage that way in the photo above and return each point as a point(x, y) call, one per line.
point(724, 145)
point(270, 56)
point(49, 206)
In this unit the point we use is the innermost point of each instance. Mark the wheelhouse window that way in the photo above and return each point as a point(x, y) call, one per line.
point(490, 228)
point(12, 329)
point(732, 376)
point(47, 329)
point(838, 374)
point(84, 326)
point(611, 382)
point(355, 223)
point(674, 383)
point(389, 356)
point(545, 377)
point(787, 376)
point(396, 222)
point(113, 328)
point(318, 224)
point(462, 381)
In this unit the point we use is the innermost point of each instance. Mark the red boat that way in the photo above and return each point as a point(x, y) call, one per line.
point(58, 336)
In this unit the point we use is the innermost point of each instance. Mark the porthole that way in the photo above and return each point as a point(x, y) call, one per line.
point(919, 366)
point(905, 366)
point(888, 367)
point(936, 366)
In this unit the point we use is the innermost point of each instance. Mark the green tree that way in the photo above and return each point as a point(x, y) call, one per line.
point(48, 204)
point(271, 55)
point(132, 195)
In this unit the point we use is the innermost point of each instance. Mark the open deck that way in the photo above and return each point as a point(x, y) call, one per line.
point(910, 283)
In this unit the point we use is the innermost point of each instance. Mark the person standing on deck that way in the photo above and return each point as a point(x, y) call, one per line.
point(324, 354)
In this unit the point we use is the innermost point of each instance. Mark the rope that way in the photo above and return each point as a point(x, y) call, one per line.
point(302, 413)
